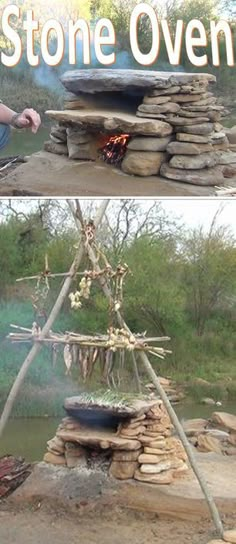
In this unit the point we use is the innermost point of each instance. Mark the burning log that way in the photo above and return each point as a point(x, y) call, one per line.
point(114, 150)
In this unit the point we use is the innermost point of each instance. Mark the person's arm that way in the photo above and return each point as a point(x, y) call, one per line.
point(28, 118)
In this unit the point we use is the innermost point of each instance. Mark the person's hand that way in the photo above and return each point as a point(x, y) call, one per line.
point(29, 118)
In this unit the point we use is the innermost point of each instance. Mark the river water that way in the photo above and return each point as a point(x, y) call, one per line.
point(28, 437)
point(23, 142)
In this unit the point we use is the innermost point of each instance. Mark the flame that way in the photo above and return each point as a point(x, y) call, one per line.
point(114, 150)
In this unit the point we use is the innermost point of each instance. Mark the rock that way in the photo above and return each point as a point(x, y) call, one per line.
point(218, 127)
point(123, 470)
point(187, 148)
point(160, 116)
point(232, 438)
point(192, 162)
point(59, 132)
point(164, 478)
point(207, 400)
point(229, 171)
point(206, 443)
point(156, 469)
point(103, 439)
point(223, 419)
point(230, 536)
point(206, 101)
point(154, 451)
point(113, 121)
point(163, 108)
point(148, 458)
point(192, 138)
point(54, 459)
point(101, 80)
point(181, 98)
point(162, 92)
point(203, 129)
point(203, 108)
point(58, 149)
point(156, 99)
point(56, 140)
point(227, 157)
point(147, 143)
point(143, 163)
point(178, 472)
point(185, 121)
point(132, 432)
point(123, 455)
point(194, 426)
point(78, 136)
point(230, 451)
point(80, 152)
point(159, 444)
point(211, 176)
point(231, 135)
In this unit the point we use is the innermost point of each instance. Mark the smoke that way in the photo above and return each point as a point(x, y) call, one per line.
point(49, 77)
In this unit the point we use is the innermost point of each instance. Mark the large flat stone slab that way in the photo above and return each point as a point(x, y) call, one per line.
point(103, 80)
point(115, 121)
point(96, 437)
point(46, 174)
point(181, 500)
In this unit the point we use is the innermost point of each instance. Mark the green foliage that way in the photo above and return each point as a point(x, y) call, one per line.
point(182, 284)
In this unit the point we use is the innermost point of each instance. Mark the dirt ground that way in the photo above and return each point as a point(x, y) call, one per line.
point(56, 505)
point(46, 174)
point(41, 525)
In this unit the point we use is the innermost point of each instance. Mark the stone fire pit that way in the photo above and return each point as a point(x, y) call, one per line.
point(137, 444)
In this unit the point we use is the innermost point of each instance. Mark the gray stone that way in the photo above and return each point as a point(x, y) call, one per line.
point(195, 138)
point(203, 108)
point(143, 163)
point(203, 129)
point(156, 99)
point(80, 152)
point(78, 136)
point(58, 149)
point(181, 98)
point(112, 121)
point(210, 176)
point(231, 135)
point(187, 148)
point(162, 92)
point(185, 121)
point(206, 102)
point(170, 107)
point(59, 133)
point(160, 116)
point(147, 143)
point(100, 80)
point(226, 157)
point(192, 162)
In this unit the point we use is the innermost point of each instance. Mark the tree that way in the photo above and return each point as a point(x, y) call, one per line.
point(209, 271)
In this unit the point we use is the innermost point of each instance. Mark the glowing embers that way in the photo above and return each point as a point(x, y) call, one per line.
point(114, 148)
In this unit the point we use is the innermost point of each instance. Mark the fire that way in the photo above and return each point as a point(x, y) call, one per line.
point(114, 150)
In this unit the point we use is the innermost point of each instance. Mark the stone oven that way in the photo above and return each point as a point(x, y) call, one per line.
point(144, 122)
point(127, 440)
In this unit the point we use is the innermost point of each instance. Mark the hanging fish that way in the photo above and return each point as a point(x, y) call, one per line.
point(67, 359)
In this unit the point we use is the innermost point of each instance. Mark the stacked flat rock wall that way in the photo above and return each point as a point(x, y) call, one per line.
point(143, 448)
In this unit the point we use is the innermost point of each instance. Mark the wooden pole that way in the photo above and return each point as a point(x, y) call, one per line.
point(48, 325)
point(179, 429)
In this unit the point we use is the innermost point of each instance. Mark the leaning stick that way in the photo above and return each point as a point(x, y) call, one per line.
point(48, 325)
point(152, 375)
